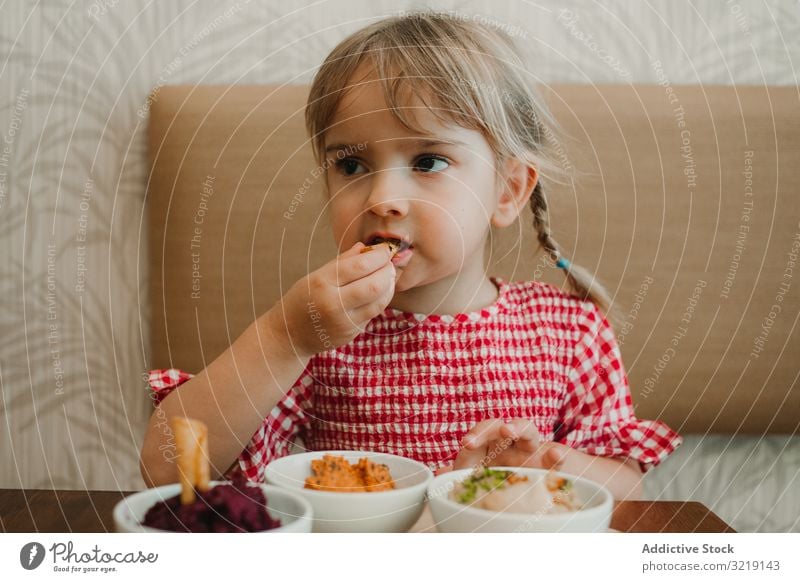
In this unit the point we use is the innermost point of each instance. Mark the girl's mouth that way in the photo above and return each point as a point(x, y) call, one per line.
point(396, 244)
point(401, 249)
point(401, 258)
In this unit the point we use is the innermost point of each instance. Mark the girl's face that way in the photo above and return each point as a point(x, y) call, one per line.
point(438, 194)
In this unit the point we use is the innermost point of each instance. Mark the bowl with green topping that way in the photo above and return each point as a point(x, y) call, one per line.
point(518, 499)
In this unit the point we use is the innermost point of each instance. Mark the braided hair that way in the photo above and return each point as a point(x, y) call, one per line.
point(581, 282)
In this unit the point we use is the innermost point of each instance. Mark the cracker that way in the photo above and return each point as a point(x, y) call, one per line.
point(394, 247)
point(191, 441)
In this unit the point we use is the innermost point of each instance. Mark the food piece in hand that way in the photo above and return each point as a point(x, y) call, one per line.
point(499, 490)
point(228, 507)
point(395, 244)
point(334, 473)
point(394, 247)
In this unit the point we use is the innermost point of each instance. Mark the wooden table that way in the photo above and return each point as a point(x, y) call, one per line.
point(48, 511)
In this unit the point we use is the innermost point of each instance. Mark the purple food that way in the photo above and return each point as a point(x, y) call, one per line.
point(231, 507)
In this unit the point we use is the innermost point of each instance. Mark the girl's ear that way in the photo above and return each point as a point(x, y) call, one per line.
point(516, 186)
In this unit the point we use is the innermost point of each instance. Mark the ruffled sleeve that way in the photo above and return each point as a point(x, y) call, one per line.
point(162, 382)
point(597, 416)
point(273, 439)
point(290, 417)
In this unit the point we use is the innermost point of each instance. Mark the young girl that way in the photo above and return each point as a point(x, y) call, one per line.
point(430, 134)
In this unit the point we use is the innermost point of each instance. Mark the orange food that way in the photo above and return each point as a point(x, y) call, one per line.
point(334, 473)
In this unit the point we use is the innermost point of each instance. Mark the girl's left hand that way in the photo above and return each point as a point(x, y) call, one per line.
point(511, 443)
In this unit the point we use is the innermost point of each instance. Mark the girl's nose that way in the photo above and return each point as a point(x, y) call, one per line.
point(388, 195)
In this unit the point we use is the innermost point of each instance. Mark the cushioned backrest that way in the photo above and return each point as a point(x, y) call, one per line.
point(685, 205)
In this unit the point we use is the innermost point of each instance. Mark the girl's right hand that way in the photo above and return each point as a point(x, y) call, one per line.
point(330, 306)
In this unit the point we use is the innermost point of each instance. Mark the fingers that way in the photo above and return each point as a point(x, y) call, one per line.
point(475, 442)
point(361, 316)
point(553, 457)
point(523, 432)
point(353, 265)
point(520, 430)
point(353, 250)
point(514, 442)
point(369, 289)
point(482, 433)
point(469, 459)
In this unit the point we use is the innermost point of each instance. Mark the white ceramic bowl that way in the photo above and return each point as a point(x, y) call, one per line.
point(395, 510)
point(453, 517)
point(294, 512)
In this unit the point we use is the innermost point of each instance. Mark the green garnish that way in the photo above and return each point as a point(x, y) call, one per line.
point(488, 480)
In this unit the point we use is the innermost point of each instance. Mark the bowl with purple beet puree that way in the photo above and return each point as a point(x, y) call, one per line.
point(226, 507)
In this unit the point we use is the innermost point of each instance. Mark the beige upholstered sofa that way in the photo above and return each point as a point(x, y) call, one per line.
point(684, 203)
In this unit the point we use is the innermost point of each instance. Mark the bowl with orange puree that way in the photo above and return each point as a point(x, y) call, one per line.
point(355, 491)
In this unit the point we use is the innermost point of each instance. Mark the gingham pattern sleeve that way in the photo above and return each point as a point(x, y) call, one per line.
point(273, 440)
point(597, 416)
point(162, 382)
point(274, 437)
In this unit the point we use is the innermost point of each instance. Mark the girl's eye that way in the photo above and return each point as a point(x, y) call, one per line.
point(348, 166)
point(425, 164)
point(432, 164)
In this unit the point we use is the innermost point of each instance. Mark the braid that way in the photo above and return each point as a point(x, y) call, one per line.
point(579, 279)
point(541, 222)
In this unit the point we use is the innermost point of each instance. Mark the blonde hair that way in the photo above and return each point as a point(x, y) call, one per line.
point(465, 73)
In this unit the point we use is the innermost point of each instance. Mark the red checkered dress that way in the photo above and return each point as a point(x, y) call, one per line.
point(414, 384)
